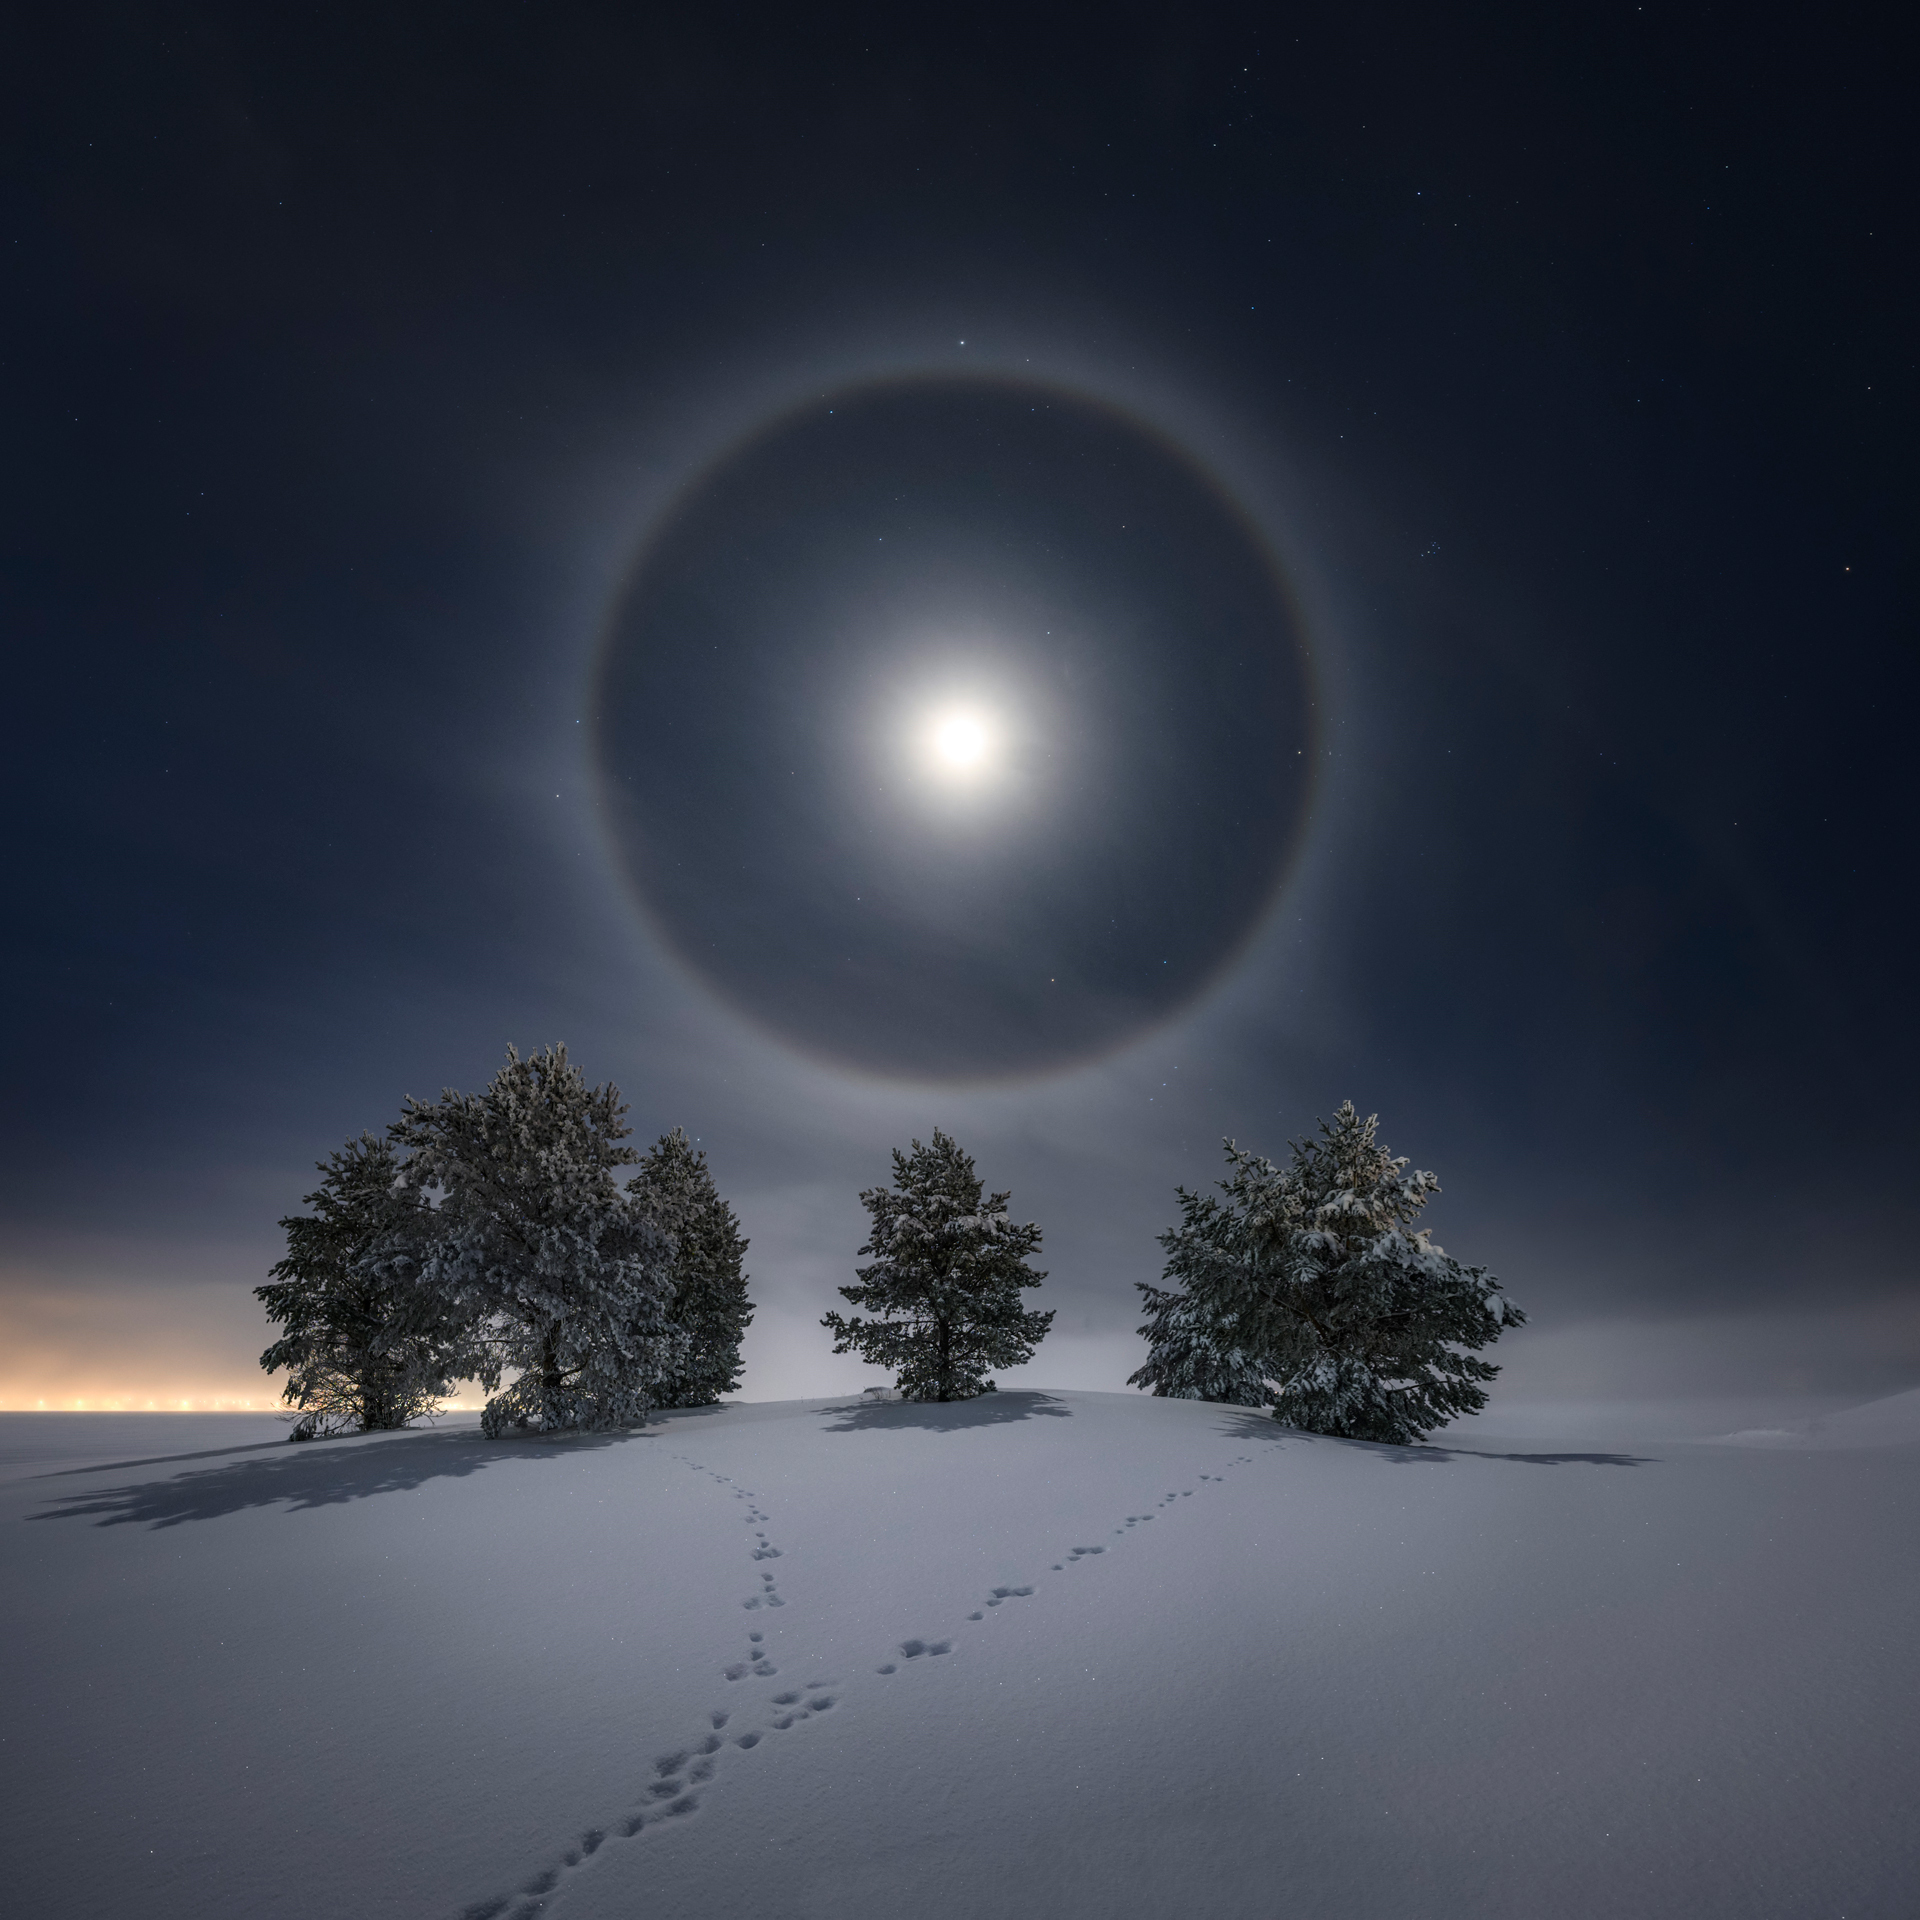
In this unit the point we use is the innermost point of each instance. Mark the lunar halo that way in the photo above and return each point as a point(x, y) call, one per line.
point(954, 729)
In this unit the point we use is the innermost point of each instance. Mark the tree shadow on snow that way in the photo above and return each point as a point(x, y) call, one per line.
point(1413, 1456)
point(301, 1478)
point(1257, 1423)
point(946, 1416)
point(162, 1459)
point(1253, 1423)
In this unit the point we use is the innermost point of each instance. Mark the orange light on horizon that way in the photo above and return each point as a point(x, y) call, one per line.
point(24, 1399)
point(135, 1400)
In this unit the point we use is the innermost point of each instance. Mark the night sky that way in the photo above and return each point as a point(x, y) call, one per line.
point(1096, 578)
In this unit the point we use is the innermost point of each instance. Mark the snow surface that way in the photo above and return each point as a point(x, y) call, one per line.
point(1040, 1653)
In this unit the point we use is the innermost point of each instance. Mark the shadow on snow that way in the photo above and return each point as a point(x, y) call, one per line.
point(301, 1478)
point(947, 1416)
point(1252, 1423)
point(1412, 1456)
point(162, 1459)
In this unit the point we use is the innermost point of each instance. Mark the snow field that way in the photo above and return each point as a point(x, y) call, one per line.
point(1076, 1653)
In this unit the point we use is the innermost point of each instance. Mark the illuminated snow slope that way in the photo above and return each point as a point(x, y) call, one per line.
point(1069, 1654)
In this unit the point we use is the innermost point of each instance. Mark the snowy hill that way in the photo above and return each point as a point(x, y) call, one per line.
point(1068, 1653)
point(1892, 1422)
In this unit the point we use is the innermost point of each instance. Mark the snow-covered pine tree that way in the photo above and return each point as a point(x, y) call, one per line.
point(1356, 1323)
point(945, 1284)
point(1196, 1349)
point(710, 1304)
point(358, 1357)
point(527, 1242)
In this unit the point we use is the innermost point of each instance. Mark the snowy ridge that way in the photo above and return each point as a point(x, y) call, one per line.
point(1892, 1422)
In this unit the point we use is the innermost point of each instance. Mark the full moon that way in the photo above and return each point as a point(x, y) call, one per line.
point(960, 741)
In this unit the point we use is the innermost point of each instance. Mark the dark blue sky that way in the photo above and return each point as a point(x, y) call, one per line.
point(352, 355)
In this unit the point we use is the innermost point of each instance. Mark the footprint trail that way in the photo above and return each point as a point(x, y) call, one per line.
point(673, 1794)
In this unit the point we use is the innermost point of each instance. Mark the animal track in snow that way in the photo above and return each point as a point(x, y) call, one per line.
point(671, 1795)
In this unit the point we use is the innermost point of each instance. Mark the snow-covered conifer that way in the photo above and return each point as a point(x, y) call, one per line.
point(1196, 1350)
point(710, 1304)
point(528, 1243)
point(945, 1284)
point(1313, 1280)
point(357, 1354)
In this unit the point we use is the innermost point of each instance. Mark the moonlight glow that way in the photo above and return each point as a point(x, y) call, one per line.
point(961, 742)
